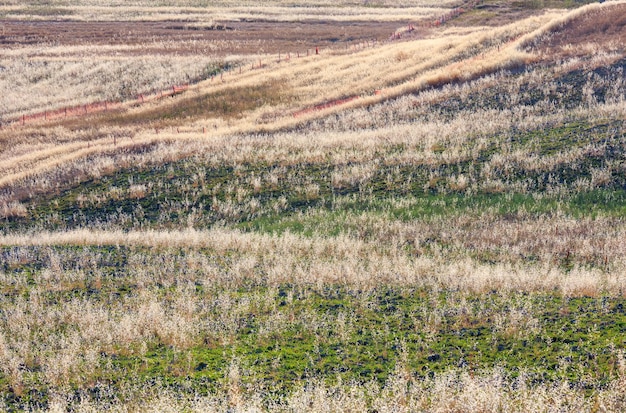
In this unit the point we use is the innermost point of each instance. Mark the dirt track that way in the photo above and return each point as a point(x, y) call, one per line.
point(179, 37)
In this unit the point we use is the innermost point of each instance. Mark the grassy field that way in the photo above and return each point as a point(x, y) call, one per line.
point(428, 222)
point(228, 10)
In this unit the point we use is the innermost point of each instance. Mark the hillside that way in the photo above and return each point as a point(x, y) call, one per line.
point(405, 209)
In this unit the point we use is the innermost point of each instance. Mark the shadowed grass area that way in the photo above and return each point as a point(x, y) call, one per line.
point(258, 196)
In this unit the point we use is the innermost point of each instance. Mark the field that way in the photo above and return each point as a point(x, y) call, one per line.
point(313, 206)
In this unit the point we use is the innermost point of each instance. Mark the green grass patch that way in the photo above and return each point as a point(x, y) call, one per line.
point(332, 222)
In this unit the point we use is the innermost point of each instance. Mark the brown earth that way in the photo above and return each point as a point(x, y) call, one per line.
point(246, 37)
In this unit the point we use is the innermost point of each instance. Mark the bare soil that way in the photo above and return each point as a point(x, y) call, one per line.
point(245, 37)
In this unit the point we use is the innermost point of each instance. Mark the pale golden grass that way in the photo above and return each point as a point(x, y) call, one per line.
point(315, 80)
point(74, 76)
point(448, 57)
point(537, 35)
point(67, 342)
point(12, 210)
point(74, 354)
point(373, 250)
point(318, 79)
point(454, 392)
point(229, 11)
point(37, 162)
point(426, 62)
point(38, 167)
point(360, 262)
point(55, 157)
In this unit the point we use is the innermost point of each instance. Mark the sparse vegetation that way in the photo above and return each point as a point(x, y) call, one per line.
point(431, 224)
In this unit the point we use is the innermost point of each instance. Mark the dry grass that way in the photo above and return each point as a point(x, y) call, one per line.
point(77, 336)
point(196, 11)
point(158, 291)
point(69, 77)
point(310, 81)
point(12, 210)
point(450, 393)
point(364, 263)
point(39, 162)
